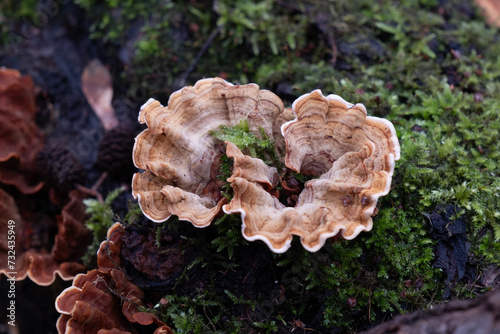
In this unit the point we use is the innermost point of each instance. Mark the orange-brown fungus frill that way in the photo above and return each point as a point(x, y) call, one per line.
point(351, 154)
point(180, 157)
point(103, 300)
point(35, 261)
point(20, 138)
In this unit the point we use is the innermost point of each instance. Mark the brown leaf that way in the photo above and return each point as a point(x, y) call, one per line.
point(490, 10)
point(97, 86)
point(92, 304)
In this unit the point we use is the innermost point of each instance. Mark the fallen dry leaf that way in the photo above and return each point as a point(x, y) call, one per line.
point(490, 10)
point(97, 86)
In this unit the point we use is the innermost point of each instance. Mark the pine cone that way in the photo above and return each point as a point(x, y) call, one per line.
point(114, 154)
point(60, 168)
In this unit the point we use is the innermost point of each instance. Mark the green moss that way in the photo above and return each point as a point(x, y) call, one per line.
point(205, 313)
point(386, 272)
point(101, 217)
point(113, 19)
point(13, 11)
point(261, 146)
point(17, 9)
point(228, 234)
point(446, 162)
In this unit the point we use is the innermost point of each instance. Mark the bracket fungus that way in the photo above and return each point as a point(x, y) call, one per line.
point(180, 157)
point(20, 138)
point(103, 300)
point(349, 155)
point(34, 232)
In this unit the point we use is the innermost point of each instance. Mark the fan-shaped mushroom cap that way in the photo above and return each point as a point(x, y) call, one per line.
point(180, 156)
point(20, 138)
point(35, 261)
point(93, 303)
point(352, 154)
point(103, 300)
point(252, 169)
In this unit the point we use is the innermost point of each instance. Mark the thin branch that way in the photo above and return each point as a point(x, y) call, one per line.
point(182, 81)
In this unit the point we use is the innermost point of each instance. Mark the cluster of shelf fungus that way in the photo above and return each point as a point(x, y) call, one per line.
point(350, 155)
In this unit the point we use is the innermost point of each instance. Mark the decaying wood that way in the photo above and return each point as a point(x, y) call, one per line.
point(477, 316)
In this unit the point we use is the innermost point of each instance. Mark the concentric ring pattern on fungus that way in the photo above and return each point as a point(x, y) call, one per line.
point(349, 155)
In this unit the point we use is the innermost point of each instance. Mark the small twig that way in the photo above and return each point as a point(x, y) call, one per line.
point(182, 81)
point(208, 317)
point(108, 251)
point(370, 305)
point(134, 300)
point(93, 191)
point(90, 192)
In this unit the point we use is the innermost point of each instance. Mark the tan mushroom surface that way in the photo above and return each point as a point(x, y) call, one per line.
point(179, 156)
point(351, 154)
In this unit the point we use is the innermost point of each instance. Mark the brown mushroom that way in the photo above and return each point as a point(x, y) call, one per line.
point(20, 138)
point(180, 157)
point(351, 154)
point(252, 169)
point(36, 259)
point(104, 300)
